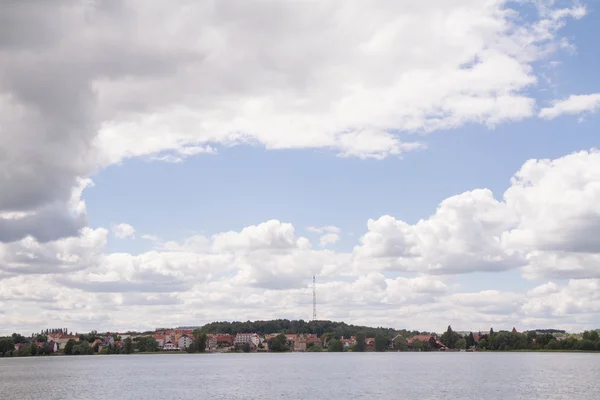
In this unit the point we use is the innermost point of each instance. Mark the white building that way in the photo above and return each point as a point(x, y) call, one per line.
point(242, 338)
point(184, 342)
point(170, 346)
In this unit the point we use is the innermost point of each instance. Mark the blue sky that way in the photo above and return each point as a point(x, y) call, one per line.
point(233, 157)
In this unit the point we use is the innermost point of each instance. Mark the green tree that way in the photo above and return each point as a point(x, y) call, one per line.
point(146, 344)
point(360, 344)
point(483, 344)
point(41, 338)
point(426, 346)
point(335, 345)
point(278, 344)
point(246, 347)
point(470, 340)
point(18, 338)
point(381, 343)
point(128, 346)
point(316, 348)
point(552, 345)
point(460, 344)
point(449, 338)
point(401, 344)
point(82, 348)
point(6, 345)
point(33, 349)
point(199, 342)
point(592, 336)
point(69, 346)
point(586, 345)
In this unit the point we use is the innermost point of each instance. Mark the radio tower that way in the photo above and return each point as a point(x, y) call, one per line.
point(314, 299)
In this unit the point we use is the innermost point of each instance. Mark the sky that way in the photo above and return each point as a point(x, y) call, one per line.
point(432, 163)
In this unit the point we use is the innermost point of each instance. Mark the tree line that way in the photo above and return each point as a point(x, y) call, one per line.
point(285, 326)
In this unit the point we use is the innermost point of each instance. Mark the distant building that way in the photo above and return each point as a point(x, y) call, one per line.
point(212, 343)
point(303, 342)
point(184, 342)
point(61, 339)
point(170, 346)
point(242, 338)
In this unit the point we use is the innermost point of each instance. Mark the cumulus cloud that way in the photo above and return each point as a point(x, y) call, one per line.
point(328, 239)
point(573, 105)
point(462, 236)
point(271, 235)
point(123, 231)
point(547, 223)
point(164, 81)
point(324, 229)
point(544, 224)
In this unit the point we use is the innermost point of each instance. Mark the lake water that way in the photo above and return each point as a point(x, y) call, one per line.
point(511, 376)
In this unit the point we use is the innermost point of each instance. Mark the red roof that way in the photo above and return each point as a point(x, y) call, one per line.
point(224, 338)
point(422, 338)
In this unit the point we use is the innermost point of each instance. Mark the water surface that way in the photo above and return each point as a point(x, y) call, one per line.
point(439, 376)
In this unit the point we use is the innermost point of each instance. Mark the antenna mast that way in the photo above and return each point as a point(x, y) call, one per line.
point(314, 299)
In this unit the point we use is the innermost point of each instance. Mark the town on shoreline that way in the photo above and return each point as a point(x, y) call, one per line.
point(278, 336)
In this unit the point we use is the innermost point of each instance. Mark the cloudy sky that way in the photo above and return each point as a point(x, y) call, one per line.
point(174, 163)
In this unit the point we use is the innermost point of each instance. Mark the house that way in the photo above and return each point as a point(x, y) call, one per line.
point(184, 342)
point(290, 339)
point(170, 346)
point(393, 344)
point(370, 342)
point(433, 342)
point(348, 343)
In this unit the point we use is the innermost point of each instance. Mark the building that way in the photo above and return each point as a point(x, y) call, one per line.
point(184, 342)
point(433, 342)
point(303, 342)
point(61, 339)
point(348, 343)
point(243, 338)
point(224, 340)
point(160, 339)
point(170, 346)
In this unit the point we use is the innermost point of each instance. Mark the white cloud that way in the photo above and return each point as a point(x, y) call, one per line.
point(462, 236)
point(399, 274)
point(573, 105)
point(328, 239)
point(123, 231)
point(28, 256)
point(352, 83)
point(324, 229)
point(548, 223)
point(347, 76)
point(271, 234)
point(152, 238)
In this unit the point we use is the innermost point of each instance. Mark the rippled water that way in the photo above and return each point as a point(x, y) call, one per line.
point(514, 376)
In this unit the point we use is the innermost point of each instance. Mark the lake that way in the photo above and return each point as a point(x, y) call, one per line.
point(511, 376)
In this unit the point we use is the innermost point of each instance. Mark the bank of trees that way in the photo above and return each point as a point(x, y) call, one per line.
point(298, 327)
